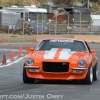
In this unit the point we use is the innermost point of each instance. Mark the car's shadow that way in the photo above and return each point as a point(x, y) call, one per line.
point(58, 82)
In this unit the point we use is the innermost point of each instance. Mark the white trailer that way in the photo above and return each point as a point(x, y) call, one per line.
point(9, 18)
point(95, 23)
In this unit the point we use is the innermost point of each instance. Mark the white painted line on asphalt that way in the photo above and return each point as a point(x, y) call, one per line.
point(8, 61)
point(11, 75)
point(11, 50)
point(65, 86)
point(52, 85)
point(12, 62)
point(95, 44)
point(21, 43)
point(71, 86)
point(53, 91)
point(95, 89)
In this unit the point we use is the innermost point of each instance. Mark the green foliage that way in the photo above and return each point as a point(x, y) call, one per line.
point(44, 5)
point(18, 4)
point(94, 9)
point(42, 1)
point(68, 3)
point(94, 0)
point(9, 3)
point(60, 3)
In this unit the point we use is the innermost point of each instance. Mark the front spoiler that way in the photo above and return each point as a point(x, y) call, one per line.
point(70, 75)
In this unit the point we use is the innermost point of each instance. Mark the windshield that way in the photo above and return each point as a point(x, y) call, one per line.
point(38, 17)
point(62, 43)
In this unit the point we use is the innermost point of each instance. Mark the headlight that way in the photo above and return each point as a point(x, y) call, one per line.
point(81, 63)
point(29, 61)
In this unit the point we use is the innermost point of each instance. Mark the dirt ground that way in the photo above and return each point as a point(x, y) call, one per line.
point(5, 37)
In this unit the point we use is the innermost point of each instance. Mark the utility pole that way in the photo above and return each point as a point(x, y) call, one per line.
point(88, 3)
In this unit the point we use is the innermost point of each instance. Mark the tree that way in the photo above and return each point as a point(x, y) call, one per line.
point(9, 3)
point(94, 0)
point(44, 5)
point(68, 3)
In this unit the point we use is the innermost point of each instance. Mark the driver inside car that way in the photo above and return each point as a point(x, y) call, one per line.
point(78, 46)
point(49, 47)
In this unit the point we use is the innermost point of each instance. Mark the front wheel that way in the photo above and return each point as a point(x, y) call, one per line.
point(26, 79)
point(95, 73)
point(89, 77)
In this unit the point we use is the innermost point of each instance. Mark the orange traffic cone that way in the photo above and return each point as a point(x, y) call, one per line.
point(9, 47)
point(20, 52)
point(26, 47)
point(0, 41)
point(32, 41)
point(20, 48)
point(28, 50)
point(12, 56)
point(4, 60)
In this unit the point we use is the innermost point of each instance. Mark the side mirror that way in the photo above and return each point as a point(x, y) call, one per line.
point(32, 49)
point(92, 51)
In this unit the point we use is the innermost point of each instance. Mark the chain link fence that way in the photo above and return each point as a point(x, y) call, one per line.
point(28, 25)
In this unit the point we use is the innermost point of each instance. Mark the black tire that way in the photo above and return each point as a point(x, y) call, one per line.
point(26, 79)
point(95, 73)
point(89, 77)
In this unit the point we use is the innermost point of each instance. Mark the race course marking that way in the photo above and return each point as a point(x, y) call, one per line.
point(11, 75)
point(95, 89)
point(11, 50)
point(12, 62)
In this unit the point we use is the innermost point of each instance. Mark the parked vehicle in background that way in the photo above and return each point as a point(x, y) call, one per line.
point(38, 19)
point(8, 20)
point(69, 19)
point(36, 16)
point(22, 24)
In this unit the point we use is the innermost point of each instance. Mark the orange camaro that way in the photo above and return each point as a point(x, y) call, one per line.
point(61, 59)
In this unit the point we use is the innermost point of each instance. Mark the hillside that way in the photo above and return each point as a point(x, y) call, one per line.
point(19, 2)
point(95, 6)
point(23, 2)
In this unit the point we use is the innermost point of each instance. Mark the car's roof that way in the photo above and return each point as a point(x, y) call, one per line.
point(65, 39)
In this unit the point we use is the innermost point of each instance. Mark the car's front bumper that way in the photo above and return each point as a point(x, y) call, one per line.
point(72, 74)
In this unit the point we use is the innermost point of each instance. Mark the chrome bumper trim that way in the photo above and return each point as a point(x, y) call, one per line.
point(33, 67)
point(80, 68)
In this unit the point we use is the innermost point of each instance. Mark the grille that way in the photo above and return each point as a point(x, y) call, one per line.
point(55, 66)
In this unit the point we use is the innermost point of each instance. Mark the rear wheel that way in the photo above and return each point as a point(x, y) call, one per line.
point(89, 77)
point(26, 79)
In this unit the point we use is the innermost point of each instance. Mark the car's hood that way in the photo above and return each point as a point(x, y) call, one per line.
point(57, 54)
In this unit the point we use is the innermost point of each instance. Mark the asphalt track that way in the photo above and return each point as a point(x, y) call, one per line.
point(13, 88)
